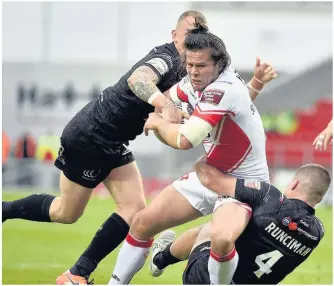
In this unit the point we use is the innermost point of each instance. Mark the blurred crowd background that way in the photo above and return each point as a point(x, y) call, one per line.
point(58, 56)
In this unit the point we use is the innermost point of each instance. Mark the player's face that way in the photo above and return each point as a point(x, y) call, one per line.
point(180, 33)
point(201, 69)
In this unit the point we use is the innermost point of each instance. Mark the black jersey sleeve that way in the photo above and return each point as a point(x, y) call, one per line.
point(163, 64)
point(251, 193)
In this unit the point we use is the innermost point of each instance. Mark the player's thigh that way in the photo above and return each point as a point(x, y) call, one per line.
point(80, 174)
point(203, 235)
point(201, 198)
point(74, 197)
point(126, 187)
point(229, 221)
point(168, 209)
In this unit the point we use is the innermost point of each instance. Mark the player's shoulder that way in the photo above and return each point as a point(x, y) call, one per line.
point(228, 82)
point(166, 52)
point(274, 191)
point(270, 197)
point(216, 90)
point(167, 48)
point(260, 189)
point(319, 225)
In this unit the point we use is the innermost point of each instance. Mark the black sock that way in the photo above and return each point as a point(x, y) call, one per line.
point(34, 207)
point(165, 258)
point(107, 238)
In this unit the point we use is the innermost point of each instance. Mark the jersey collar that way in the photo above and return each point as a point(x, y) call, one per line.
point(174, 50)
point(304, 206)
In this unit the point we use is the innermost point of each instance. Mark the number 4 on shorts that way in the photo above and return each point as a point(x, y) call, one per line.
point(273, 257)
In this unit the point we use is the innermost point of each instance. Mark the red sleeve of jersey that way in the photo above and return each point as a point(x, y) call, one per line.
point(211, 116)
point(181, 95)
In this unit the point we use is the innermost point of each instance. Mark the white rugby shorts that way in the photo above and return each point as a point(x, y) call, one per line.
point(197, 195)
point(200, 197)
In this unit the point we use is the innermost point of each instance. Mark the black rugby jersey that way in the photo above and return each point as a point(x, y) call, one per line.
point(118, 115)
point(280, 236)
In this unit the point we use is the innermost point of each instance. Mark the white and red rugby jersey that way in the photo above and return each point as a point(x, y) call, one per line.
point(236, 143)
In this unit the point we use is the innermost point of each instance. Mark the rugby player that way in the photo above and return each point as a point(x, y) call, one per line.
point(236, 144)
point(280, 235)
point(94, 149)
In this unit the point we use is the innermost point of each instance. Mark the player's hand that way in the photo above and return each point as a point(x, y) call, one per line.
point(324, 139)
point(185, 115)
point(152, 122)
point(264, 71)
point(171, 113)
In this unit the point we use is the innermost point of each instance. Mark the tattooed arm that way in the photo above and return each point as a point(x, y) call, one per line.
point(143, 83)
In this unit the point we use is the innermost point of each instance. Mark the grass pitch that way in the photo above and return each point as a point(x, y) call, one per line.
point(36, 253)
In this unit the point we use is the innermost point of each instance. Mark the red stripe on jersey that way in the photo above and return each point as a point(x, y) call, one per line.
point(181, 95)
point(232, 149)
point(214, 111)
point(213, 119)
point(211, 116)
point(240, 162)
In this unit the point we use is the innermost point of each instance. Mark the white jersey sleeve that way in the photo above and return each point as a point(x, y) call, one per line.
point(217, 100)
point(180, 91)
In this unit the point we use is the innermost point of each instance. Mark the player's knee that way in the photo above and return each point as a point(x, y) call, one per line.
point(141, 223)
point(61, 216)
point(223, 240)
point(129, 211)
point(135, 207)
point(141, 220)
point(70, 219)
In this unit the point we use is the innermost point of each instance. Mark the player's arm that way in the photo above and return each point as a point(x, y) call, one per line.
point(143, 83)
point(263, 73)
point(215, 180)
point(156, 133)
point(179, 136)
point(182, 246)
point(225, 185)
point(178, 93)
point(215, 103)
point(185, 115)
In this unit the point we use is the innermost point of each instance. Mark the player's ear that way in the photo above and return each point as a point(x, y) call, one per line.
point(294, 185)
point(174, 35)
